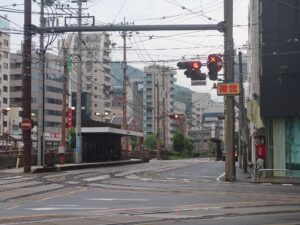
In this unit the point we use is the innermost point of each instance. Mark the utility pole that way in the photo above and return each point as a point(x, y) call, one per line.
point(27, 84)
point(64, 110)
point(164, 110)
point(242, 115)
point(230, 173)
point(41, 114)
point(124, 67)
point(78, 155)
point(157, 121)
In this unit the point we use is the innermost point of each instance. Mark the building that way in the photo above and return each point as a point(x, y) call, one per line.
point(244, 67)
point(96, 71)
point(274, 106)
point(4, 76)
point(53, 90)
point(206, 120)
point(159, 102)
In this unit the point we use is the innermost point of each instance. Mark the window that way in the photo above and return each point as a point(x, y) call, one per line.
point(5, 65)
point(4, 123)
point(5, 100)
point(5, 77)
point(54, 89)
point(5, 55)
point(5, 88)
point(54, 101)
point(5, 42)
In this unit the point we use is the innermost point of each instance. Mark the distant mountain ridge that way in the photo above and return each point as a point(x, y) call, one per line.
point(181, 94)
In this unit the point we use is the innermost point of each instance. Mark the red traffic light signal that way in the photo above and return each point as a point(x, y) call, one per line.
point(195, 65)
point(214, 65)
point(173, 116)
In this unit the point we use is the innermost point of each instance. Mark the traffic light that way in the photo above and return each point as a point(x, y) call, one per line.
point(173, 116)
point(214, 65)
point(192, 70)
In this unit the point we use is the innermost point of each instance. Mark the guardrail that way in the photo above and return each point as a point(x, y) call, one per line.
point(260, 172)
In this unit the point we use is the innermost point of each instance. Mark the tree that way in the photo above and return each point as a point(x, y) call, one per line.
point(178, 142)
point(71, 137)
point(150, 141)
point(189, 146)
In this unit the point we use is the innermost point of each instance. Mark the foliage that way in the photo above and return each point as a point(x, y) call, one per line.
point(150, 142)
point(71, 137)
point(133, 142)
point(178, 142)
point(189, 146)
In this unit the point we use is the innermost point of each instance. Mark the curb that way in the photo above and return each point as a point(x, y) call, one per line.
point(66, 167)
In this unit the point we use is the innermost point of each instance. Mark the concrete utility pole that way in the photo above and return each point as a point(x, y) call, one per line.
point(78, 155)
point(124, 68)
point(64, 110)
point(41, 114)
point(27, 84)
point(230, 173)
point(157, 120)
point(242, 115)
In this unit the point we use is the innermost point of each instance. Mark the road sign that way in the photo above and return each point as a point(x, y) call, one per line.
point(228, 89)
point(26, 124)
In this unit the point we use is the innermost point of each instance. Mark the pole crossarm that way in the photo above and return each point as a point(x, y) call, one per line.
point(219, 27)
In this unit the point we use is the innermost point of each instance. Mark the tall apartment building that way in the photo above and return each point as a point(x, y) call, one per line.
point(96, 72)
point(53, 89)
point(159, 102)
point(4, 77)
point(204, 120)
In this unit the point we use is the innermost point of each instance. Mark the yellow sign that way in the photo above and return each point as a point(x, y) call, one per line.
point(228, 89)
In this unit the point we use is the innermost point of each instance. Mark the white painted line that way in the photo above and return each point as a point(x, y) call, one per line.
point(146, 179)
point(64, 205)
point(9, 178)
point(287, 185)
point(219, 177)
point(64, 208)
point(103, 177)
point(267, 184)
point(120, 199)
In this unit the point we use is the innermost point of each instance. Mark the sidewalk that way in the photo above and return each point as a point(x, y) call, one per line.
point(71, 166)
point(249, 177)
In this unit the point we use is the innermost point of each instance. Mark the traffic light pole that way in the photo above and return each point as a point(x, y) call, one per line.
point(230, 173)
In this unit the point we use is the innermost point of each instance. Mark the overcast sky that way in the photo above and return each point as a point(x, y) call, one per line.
point(145, 47)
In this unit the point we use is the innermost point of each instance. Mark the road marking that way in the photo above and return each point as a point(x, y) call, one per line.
point(266, 184)
point(64, 205)
point(119, 199)
point(287, 185)
point(103, 177)
point(9, 178)
point(219, 177)
point(64, 208)
point(62, 195)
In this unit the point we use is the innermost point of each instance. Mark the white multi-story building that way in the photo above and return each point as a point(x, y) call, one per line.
point(205, 123)
point(4, 77)
point(96, 72)
point(53, 90)
point(159, 102)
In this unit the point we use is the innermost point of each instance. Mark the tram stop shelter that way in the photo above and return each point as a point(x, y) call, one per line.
point(103, 143)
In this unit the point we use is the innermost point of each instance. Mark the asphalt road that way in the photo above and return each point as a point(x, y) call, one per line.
point(160, 192)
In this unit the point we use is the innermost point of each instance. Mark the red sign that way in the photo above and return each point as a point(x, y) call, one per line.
point(228, 89)
point(69, 118)
point(26, 124)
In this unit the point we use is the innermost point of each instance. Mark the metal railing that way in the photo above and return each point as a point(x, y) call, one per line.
point(259, 172)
